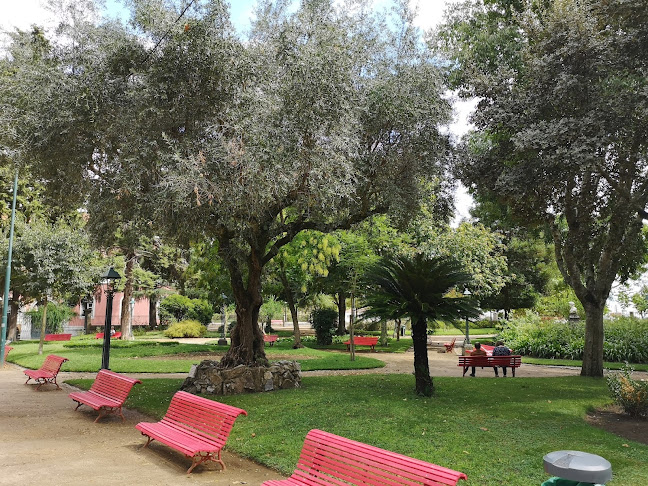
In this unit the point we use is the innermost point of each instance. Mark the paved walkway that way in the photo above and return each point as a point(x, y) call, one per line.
point(45, 442)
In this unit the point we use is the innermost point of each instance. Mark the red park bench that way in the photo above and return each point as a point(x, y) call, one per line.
point(58, 337)
point(195, 426)
point(328, 459)
point(270, 338)
point(7, 349)
point(107, 394)
point(512, 361)
point(370, 341)
point(450, 346)
point(47, 372)
point(100, 335)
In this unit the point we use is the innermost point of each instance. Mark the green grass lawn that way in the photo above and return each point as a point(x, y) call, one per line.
point(496, 431)
point(393, 346)
point(169, 357)
point(578, 363)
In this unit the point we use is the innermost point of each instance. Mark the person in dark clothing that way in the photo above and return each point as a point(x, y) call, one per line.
point(501, 350)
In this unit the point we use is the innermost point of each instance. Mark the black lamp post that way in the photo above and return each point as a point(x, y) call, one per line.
point(467, 341)
point(111, 276)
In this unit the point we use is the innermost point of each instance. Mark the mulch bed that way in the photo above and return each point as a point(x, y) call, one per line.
point(613, 420)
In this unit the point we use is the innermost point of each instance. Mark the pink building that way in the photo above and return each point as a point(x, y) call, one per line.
point(98, 315)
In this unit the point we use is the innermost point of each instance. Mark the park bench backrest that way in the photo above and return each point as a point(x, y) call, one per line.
point(205, 418)
point(52, 364)
point(113, 385)
point(510, 360)
point(364, 340)
point(338, 460)
point(57, 337)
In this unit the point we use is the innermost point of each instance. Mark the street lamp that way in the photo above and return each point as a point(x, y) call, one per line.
point(87, 302)
point(111, 276)
point(467, 341)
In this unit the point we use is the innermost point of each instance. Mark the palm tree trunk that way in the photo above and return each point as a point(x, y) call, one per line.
point(424, 385)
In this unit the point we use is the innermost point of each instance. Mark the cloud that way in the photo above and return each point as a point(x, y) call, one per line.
point(23, 14)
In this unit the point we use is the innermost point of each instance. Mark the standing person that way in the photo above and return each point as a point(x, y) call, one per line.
point(478, 351)
point(501, 350)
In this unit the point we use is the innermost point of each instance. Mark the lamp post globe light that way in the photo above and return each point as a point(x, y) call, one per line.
point(110, 277)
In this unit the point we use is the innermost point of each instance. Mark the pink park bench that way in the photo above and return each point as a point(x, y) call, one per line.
point(370, 341)
point(107, 394)
point(328, 459)
point(270, 338)
point(58, 337)
point(47, 372)
point(194, 426)
point(100, 335)
point(7, 349)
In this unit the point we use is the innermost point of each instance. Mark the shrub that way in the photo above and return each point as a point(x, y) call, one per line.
point(629, 394)
point(626, 339)
point(176, 308)
point(324, 321)
point(185, 329)
point(201, 311)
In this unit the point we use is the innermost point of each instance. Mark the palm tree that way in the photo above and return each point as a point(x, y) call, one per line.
point(418, 287)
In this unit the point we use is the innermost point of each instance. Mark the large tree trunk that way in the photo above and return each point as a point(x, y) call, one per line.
point(247, 346)
point(152, 318)
point(12, 329)
point(43, 326)
point(424, 384)
point(341, 304)
point(594, 337)
point(126, 318)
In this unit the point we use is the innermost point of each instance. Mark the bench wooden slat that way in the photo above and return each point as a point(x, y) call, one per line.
point(195, 426)
point(328, 459)
point(107, 394)
point(48, 371)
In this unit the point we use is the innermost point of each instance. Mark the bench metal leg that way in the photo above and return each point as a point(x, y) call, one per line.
point(204, 457)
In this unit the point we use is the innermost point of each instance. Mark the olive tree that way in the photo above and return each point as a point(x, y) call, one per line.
point(317, 119)
point(561, 133)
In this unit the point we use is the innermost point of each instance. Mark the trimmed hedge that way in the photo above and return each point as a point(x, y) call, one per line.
point(626, 339)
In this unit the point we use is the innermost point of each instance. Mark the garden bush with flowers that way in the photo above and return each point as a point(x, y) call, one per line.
point(628, 393)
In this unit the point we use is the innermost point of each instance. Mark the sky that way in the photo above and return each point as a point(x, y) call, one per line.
point(24, 13)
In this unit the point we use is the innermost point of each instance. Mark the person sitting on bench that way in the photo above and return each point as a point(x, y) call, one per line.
point(500, 350)
point(478, 351)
